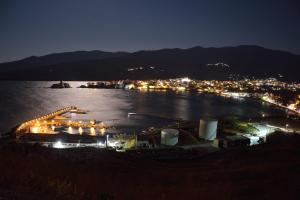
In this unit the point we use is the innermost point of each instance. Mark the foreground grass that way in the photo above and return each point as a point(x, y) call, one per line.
point(269, 171)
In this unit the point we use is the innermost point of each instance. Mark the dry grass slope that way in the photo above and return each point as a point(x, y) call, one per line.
point(269, 171)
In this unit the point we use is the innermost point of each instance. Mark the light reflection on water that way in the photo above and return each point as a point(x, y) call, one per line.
point(20, 101)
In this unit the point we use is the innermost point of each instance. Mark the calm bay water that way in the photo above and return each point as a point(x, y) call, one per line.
point(21, 101)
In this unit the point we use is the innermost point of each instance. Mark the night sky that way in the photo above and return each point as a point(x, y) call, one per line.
point(38, 27)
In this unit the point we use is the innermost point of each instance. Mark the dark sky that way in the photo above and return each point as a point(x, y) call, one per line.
point(38, 27)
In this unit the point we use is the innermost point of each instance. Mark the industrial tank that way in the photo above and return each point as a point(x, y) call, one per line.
point(169, 137)
point(208, 129)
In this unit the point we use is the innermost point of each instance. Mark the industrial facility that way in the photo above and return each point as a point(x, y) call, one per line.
point(208, 129)
point(169, 137)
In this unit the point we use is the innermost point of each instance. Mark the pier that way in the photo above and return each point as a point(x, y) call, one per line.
point(49, 120)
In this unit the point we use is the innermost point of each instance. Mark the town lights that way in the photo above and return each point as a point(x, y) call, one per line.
point(58, 145)
point(180, 88)
point(292, 106)
point(185, 80)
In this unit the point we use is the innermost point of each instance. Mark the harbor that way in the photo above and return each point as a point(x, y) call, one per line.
point(58, 127)
point(59, 130)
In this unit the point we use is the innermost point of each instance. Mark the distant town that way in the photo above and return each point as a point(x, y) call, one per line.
point(271, 90)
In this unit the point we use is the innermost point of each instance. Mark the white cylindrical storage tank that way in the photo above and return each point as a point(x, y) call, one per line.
point(208, 129)
point(169, 137)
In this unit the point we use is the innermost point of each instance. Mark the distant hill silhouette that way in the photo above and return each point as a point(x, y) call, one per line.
point(196, 62)
point(57, 58)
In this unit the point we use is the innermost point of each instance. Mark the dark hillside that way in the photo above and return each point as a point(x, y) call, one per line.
point(197, 63)
point(269, 171)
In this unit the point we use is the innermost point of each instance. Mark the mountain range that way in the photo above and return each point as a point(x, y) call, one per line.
point(197, 62)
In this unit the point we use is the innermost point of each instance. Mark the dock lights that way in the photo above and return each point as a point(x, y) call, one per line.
point(93, 131)
point(34, 129)
point(58, 145)
point(80, 130)
point(102, 131)
point(70, 130)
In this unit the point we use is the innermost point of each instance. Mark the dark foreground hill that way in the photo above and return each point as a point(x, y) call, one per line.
point(268, 171)
point(197, 62)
